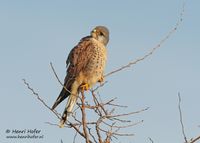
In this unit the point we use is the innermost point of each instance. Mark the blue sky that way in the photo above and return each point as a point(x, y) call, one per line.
point(35, 33)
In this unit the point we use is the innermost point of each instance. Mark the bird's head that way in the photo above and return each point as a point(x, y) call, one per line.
point(101, 33)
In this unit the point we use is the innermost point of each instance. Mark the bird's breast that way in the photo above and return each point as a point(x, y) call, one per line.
point(95, 68)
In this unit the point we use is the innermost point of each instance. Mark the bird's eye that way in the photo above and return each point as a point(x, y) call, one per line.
point(101, 33)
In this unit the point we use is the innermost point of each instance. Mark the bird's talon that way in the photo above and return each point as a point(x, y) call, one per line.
point(101, 80)
point(84, 87)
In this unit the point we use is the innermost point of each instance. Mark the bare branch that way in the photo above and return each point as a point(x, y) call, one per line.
point(55, 113)
point(195, 139)
point(84, 118)
point(162, 41)
point(102, 113)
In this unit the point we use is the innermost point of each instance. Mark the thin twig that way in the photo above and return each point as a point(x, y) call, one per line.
point(121, 120)
point(93, 137)
point(98, 129)
point(181, 118)
point(74, 140)
point(40, 99)
point(103, 104)
point(124, 126)
point(97, 103)
point(126, 114)
point(123, 134)
point(151, 140)
point(117, 105)
point(58, 77)
point(101, 85)
point(117, 134)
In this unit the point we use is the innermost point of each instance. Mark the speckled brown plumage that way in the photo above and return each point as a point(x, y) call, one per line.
point(85, 65)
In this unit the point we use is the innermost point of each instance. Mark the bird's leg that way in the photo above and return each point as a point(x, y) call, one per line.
point(84, 87)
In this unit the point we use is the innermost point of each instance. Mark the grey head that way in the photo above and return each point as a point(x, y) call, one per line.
point(101, 33)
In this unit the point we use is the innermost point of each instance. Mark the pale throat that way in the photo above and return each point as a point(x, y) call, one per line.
point(101, 39)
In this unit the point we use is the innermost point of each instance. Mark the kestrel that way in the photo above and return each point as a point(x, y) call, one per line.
point(85, 67)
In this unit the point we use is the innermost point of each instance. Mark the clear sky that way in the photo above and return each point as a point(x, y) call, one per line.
point(35, 33)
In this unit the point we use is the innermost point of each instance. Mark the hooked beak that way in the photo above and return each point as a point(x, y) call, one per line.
point(93, 33)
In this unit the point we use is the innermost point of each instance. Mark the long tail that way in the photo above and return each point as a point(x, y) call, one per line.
point(70, 103)
point(63, 94)
point(68, 109)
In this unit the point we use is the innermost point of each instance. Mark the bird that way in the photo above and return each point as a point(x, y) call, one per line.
point(85, 67)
